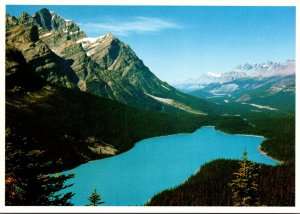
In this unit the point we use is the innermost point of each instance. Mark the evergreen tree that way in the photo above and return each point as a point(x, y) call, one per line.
point(94, 199)
point(28, 181)
point(244, 185)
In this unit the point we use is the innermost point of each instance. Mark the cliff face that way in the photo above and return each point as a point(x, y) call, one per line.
point(39, 56)
point(60, 52)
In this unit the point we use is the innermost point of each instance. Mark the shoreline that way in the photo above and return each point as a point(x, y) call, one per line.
point(246, 135)
point(181, 133)
point(266, 155)
point(214, 127)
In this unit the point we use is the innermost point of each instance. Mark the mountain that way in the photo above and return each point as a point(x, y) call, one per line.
point(39, 56)
point(267, 86)
point(86, 126)
point(268, 69)
point(271, 93)
point(247, 70)
point(198, 83)
point(58, 83)
point(74, 127)
point(61, 53)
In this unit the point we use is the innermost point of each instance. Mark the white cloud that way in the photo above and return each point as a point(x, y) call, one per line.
point(138, 24)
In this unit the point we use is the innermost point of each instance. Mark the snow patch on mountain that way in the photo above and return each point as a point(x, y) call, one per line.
point(90, 45)
point(166, 87)
point(46, 34)
point(225, 88)
point(213, 74)
point(267, 69)
point(75, 32)
point(263, 107)
point(87, 39)
point(247, 70)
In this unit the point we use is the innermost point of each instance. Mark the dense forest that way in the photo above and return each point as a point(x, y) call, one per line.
point(276, 185)
point(277, 128)
point(209, 186)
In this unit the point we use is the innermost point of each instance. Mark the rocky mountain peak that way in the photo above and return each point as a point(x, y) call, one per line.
point(10, 21)
point(107, 39)
point(267, 69)
point(43, 18)
point(58, 23)
point(62, 54)
point(109, 35)
point(51, 26)
point(242, 71)
point(24, 15)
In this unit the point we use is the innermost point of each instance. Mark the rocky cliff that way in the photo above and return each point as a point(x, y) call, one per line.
point(61, 53)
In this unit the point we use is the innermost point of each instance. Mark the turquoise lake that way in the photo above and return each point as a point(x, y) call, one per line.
point(158, 163)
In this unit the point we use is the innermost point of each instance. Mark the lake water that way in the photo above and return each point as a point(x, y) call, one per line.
point(156, 164)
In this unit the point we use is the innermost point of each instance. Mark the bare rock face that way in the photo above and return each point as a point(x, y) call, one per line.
point(125, 74)
point(43, 19)
point(61, 53)
point(20, 34)
point(10, 21)
point(39, 56)
point(50, 66)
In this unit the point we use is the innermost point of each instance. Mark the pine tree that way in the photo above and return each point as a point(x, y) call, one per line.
point(28, 181)
point(244, 187)
point(94, 199)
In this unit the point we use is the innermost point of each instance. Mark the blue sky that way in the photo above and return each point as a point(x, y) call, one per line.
point(181, 42)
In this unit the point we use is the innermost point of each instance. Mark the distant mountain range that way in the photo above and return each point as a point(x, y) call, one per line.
point(62, 54)
point(265, 86)
point(247, 70)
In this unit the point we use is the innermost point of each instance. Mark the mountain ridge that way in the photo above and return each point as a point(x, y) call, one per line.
point(104, 66)
point(272, 93)
point(246, 70)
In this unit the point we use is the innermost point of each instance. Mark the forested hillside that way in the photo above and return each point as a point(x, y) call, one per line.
point(209, 186)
